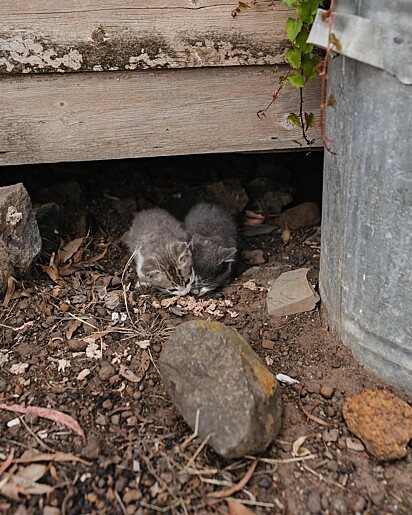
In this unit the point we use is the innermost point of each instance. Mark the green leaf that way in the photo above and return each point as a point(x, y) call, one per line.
point(309, 64)
point(331, 101)
point(294, 119)
point(302, 36)
point(289, 3)
point(293, 28)
point(307, 10)
point(309, 120)
point(296, 79)
point(293, 55)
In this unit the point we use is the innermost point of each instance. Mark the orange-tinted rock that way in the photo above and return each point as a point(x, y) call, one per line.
point(382, 421)
point(208, 367)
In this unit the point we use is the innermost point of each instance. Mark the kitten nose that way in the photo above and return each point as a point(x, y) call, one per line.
point(195, 291)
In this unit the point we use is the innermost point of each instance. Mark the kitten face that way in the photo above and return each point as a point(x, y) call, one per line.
point(213, 264)
point(173, 273)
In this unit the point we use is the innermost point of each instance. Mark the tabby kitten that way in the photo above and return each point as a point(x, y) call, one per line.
point(213, 241)
point(163, 256)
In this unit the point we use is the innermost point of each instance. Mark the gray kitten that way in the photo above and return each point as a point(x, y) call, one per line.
point(163, 256)
point(213, 241)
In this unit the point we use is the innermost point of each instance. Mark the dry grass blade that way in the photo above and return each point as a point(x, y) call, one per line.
point(312, 417)
point(323, 478)
point(57, 456)
point(238, 486)
point(50, 414)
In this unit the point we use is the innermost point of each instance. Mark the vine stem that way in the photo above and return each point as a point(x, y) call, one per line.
point(262, 112)
point(302, 121)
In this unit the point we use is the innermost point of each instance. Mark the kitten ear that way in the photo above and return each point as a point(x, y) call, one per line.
point(197, 240)
point(227, 255)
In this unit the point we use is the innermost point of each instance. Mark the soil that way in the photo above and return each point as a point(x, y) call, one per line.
point(82, 340)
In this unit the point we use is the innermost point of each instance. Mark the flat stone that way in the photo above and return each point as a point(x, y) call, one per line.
point(209, 367)
point(312, 387)
point(382, 421)
point(76, 345)
point(20, 241)
point(304, 215)
point(354, 444)
point(330, 435)
point(291, 293)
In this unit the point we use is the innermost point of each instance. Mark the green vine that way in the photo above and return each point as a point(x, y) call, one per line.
point(304, 64)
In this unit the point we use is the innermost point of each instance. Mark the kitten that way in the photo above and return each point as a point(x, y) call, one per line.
point(213, 241)
point(163, 256)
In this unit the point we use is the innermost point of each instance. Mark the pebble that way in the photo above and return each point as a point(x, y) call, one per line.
point(92, 449)
point(338, 504)
point(268, 344)
point(121, 483)
point(313, 503)
point(102, 420)
point(335, 363)
point(330, 435)
point(64, 307)
point(327, 391)
point(132, 495)
point(332, 466)
point(354, 444)
point(324, 501)
point(131, 421)
point(312, 387)
point(106, 371)
point(131, 509)
point(377, 497)
point(265, 482)
point(76, 345)
point(115, 336)
point(330, 411)
point(51, 510)
point(126, 414)
point(359, 505)
point(107, 404)
point(115, 419)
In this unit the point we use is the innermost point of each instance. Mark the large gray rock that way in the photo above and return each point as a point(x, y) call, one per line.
point(20, 241)
point(208, 366)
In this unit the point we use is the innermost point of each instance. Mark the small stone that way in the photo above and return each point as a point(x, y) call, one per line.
point(291, 293)
point(382, 421)
point(359, 505)
point(127, 413)
point(131, 421)
point(333, 466)
point(131, 509)
point(115, 419)
point(338, 504)
point(92, 497)
point(254, 257)
point(313, 503)
point(50, 510)
point(92, 449)
point(312, 387)
point(327, 391)
point(102, 420)
point(106, 371)
point(268, 344)
point(265, 482)
point(324, 501)
point(330, 411)
point(208, 366)
point(354, 444)
point(121, 483)
point(335, 362)
point(107, 404)
point(377, 497)
point(77, 345)
point(64, 307)
point(330, 435)
point(131, 495)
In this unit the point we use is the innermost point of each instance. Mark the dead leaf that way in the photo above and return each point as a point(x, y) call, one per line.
point(68, 250)
point(96, 258)
point(93, 350)
point(297, 450)
point(236, 508)
point(11, 288)
point(19, 368)
point(34, 471)
point(50, 414)
point(52, 272)
point(286, 234)
point(83, 374)
point(73, 326)
point(144, 365)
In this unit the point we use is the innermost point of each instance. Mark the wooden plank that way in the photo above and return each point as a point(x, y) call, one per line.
point(41, 36)
point(73, 117)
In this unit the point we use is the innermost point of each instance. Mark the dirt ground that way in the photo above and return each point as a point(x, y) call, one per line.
point(78, 338)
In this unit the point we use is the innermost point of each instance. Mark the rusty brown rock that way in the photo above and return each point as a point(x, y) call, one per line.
point(209, 368)
point(382, 421)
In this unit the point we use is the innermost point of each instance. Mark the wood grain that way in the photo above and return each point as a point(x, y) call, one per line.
point(40, 36)
point(90, 116)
